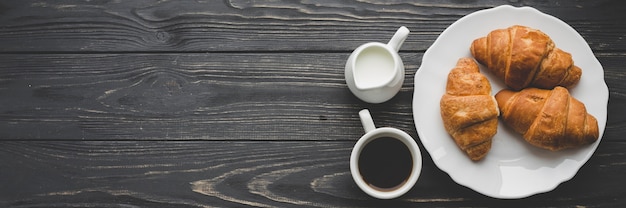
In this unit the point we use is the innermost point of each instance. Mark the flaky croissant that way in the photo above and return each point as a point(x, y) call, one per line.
point(525, 57)
point(550, 119)
point(469, 112)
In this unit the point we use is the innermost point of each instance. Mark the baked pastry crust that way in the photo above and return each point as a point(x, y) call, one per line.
point(550, 119)
point(469, 112)
point(525, 57)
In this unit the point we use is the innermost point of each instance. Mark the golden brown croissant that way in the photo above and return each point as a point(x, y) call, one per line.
point(550, 119)
point(523, 57)
point(469, 112)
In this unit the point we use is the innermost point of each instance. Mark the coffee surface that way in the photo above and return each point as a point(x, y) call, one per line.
point(385, 163)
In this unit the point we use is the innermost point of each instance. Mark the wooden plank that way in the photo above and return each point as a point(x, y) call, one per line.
point(186, 97)
point(214, 96)
point(265, 174)
point(235, 25)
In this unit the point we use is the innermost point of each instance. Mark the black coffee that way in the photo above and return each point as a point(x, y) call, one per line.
point(385, 163)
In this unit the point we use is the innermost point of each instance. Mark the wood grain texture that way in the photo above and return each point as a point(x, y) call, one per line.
point(261, 174)
point(215, 96)
point(239, 25)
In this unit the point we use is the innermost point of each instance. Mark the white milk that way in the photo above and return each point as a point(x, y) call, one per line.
point(373, 67)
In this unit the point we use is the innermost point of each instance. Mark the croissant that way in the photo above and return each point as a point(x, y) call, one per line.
point(525, 57)
point(469, 112)
point(550, 119)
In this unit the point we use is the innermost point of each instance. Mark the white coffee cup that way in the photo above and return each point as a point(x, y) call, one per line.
point(374, 72)
point(384, 149)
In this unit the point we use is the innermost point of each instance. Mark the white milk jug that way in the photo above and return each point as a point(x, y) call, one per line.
point(374, 71)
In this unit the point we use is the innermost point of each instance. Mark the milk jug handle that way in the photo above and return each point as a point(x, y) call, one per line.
point(398, 38)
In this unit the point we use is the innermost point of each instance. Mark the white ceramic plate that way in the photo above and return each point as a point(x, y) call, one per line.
point(512, 169)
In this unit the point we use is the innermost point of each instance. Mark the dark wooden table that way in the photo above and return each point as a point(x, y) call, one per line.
point(232, 103)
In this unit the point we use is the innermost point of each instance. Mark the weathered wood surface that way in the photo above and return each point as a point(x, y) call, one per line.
point(273, 96)
point(265, 174)
point(187, 96)
point(233, 103)
point(285, 25)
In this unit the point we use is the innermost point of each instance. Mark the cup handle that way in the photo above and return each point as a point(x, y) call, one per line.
point(398, 38)
point(366, 120)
